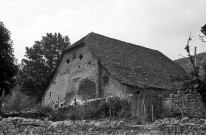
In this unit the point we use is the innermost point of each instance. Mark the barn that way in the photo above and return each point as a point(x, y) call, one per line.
point(99, 66)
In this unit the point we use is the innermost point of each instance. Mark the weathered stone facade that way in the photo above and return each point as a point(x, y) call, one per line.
point(80, 76)
point(76, 67)
point(110, 86)
point(190, 104)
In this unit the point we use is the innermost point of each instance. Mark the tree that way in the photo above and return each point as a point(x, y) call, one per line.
point(197, 82)
point(40, 62)
point(8, 67)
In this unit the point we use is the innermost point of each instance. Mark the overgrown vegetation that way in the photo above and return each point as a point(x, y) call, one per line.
point(113, 107)
point(196, 83)
point(17, 101)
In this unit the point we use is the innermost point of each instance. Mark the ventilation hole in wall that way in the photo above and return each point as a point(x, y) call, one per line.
point(68, 61)
point(89, 63)
point(74, 55)
point(80, 56)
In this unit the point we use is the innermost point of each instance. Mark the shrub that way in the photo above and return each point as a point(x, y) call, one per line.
point(101, 108)
point(44, 112)
point(62, 113)
point(93, 109)
point(17, 102)
point(121, 107)
point(125, 111)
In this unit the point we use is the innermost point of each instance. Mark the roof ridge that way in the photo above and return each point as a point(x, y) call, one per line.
point(118, 40)
point(88, 36)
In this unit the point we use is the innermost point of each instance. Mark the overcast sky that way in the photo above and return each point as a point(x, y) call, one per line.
point(162, 25)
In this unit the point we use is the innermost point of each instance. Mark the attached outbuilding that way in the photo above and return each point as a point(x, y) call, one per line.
point(98, 66)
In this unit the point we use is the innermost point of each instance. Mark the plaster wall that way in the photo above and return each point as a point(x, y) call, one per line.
point(76, 66)
point(110, 86)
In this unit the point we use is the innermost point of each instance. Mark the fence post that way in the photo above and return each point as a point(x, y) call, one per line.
point(110, 108)
point(144, 113)
point(152, 114)
point(75, 109)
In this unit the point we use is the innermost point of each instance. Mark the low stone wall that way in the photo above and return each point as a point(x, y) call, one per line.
point(190, 104)
point(167, 126)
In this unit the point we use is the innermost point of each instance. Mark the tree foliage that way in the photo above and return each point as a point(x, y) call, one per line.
point(8, 67)
point(40, 62)
point(196, 83)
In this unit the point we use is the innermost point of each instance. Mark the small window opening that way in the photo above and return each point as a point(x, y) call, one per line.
point(80, 56)
point(89, 63)
point(74, 55)
point(68, 61)
point(49, 93)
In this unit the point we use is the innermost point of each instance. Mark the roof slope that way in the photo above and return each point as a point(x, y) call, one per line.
point(132, 64)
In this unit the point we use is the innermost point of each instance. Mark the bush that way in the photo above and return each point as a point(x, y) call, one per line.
point(121, 107)
point(94, 109)
point(43, 112)
point(51, 114)
point(125, 111)
point(17, 102)
point(62, 113)
point(101, 108)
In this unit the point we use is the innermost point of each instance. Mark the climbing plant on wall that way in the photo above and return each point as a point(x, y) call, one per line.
point(40, 62)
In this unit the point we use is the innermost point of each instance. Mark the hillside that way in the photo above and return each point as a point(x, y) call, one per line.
point(185, 62)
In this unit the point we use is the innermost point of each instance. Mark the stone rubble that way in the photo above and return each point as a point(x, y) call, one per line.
point(22, 126)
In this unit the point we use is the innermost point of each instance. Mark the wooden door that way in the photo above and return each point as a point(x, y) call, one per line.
point(136, 105)
point(149, 108)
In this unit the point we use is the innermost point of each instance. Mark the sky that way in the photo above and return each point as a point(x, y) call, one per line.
point(163, 25)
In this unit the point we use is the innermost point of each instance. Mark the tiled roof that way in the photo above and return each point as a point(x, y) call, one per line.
point(131, 64)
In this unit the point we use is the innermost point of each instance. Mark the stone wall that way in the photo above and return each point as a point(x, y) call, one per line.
point(76, 67)
point(190, 104)
point(109, 85)
point(114, 88)
point(80, 76)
